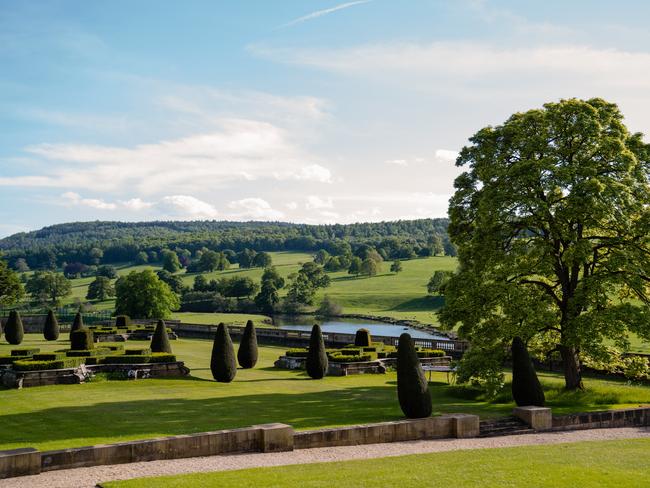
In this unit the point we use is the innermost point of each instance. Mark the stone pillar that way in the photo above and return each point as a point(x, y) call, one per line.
point(539, 418)
point(19, 462)
point(275, 437)
point(464, 425)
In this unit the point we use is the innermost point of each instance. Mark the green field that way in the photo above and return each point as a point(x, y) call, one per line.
point(61, 416)
point(582, 464)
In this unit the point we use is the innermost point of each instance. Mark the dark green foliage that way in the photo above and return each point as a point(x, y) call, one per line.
point(362, 338)
point(247, 353)
point(317, 358)
point(82, 339)
point(51, 327)
point(14, 331)
point(157, 357)
point(412, 387)
point(77, 323)
point(140, 351)
point(122, 321)
point(526, 388)
point(29, 365)
point(160, 339)
point(49, 356)
point(86, 353)
point(222, 362)
point(297, 353)
point(25, 351)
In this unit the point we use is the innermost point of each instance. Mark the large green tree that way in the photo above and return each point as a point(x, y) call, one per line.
point(143, 295)
point(48, 287)
point(267, 299)
point(101, 288)
point(552, 223)
point(11, 289)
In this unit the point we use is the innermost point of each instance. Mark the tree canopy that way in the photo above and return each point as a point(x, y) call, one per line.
point(143, 295)
point(11, 289)
point(551, 220)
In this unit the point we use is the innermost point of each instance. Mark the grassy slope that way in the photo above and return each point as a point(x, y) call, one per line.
point(60, 416)
point(585, 464)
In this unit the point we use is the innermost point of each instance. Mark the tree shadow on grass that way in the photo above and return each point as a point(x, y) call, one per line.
point(425, 303)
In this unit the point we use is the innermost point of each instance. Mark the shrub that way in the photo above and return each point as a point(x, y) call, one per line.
point(138, 351)
point(160, 339)
point(362, 338)
point(51, 327)
point(526, 388)
point(157, 357)
point(430, 353)
point(222, 362)
point(122, 321)
point(316, 358)
point(412, 387)
point(247, 353)
point(82, 339)
point(85, 353)
point(113, 347)
point(29, 365)
point(8, 359)
point(636, 368)
point(342, 358)
point(297, 353)
point(49, 356)
point(77, 324)
point(14, 331)
point(25, 351)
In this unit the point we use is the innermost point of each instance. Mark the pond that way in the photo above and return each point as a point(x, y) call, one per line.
point(350, 326)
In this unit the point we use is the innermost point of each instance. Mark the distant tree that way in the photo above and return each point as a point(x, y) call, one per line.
point(438, 281)
point(175, 282)
point(51, 327)
point(334, 264)
point(369, 267)
point(247, 352)
point(246, 258)
point(200, 283)
point(238, 287)
point(153, 256)
point(316, 357)
point(304, 284)
point(171, 263)
point(100, 289)
point(222, 363)
point(412, 387)
point(96, 255)
point(396, 267)
point(74, 270)
point(14, 331)
point(436, 244)
point(107, 271)
point(267, 299)
point(143, 295)
point(321, 257)
point(11, 289)
point(262, 260)
point(141, 258)
point(355, 266)
point(48, 287)
point(160, 339)
point(329, 308)
point(526, 388)
point(209, 261)
point(21, 265)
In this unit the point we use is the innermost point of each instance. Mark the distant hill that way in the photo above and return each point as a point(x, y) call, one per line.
point(122, 241)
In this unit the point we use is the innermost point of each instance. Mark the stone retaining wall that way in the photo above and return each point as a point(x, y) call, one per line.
point(635, 417)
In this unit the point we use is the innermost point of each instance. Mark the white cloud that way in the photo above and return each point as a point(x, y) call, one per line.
point(313, 172)
point(398, 162)
point(446, 155)
point(316, 202)
point(292, 205)
point(321, 13)
point(254, 208)
point(187, 206)
point(75, 199)
point(136, 204)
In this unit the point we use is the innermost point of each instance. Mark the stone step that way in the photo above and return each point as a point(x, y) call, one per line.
point(503, 426)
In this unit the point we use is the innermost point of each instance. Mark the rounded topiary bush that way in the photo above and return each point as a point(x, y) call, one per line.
point(362, 338)
point(222, 362)
point(51, 327)
point(316, 357)
point(247, 352)
point(526, 388)
point(77, 323)
point(160, 339)
point(82, 339)
point(14, 331)
point(122, 321)
point(412, 387)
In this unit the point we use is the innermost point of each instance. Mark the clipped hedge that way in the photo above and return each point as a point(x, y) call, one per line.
point(341, 358)
point(49, 356)
point(30, 365)
point(80, 353)
point(156, 357)
point(8, 359)
point(141, 351)
point(25, 351)
point(297, 353)
point(431, 353)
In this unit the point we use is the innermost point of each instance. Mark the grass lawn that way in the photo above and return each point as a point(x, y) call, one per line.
point(583, 464)
point(226, 318)
point(60, 416)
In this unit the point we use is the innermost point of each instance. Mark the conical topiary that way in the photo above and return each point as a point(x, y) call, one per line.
point(412, 387)
point(222, 363)
point(247, 352)
point(526, 388)
point(77, 323)
point(14, 331)
point(82, 339)
point(316, 358)
point(122, 321)
point(51, 327)
point(160, 339)
point(362, 338)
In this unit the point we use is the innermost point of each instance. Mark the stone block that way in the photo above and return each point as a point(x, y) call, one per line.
point(275, 437)
point(539, 418)
point(19, 462)
point(464, 425)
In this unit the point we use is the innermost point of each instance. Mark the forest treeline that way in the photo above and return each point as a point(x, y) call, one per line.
point(118, 242)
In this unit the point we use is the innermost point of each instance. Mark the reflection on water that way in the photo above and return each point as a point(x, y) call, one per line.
point(350, 326)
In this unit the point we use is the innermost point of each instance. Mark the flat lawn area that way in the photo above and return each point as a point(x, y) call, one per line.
point(60, 416)
point(583, 464)
point(226, 318)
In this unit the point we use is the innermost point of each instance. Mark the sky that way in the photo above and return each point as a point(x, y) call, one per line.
point(295, 110)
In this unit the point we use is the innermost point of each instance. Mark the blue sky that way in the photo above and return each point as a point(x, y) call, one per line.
point(307, 111)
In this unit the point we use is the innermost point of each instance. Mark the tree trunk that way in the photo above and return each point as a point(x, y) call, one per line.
point(571, 365)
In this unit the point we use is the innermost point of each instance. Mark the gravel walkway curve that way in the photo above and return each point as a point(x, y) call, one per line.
point(89, 477)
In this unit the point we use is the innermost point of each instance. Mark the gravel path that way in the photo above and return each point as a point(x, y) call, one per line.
point(88, 477)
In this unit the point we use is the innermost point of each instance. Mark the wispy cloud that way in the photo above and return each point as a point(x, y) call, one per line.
point(321, 13)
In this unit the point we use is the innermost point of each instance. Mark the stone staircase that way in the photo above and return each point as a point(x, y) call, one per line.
point(503, 426)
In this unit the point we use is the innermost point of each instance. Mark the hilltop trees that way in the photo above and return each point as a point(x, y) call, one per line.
point(51, 327)
point(552, 223)
point(247, 352)
point(222, 362)
point(412, 387)
point(143, 295)
point(316, 357)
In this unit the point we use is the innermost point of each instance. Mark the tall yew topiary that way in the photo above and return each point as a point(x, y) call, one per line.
point(316, 358)
point(412, 387)
point(122, 321)
point(51, 327)
point(82, 339)
point(247, 353)
point(362, 338)
point(222, 362)
point(160, 339)
point(526, 388)
point(77, 323)
point(14, 331)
